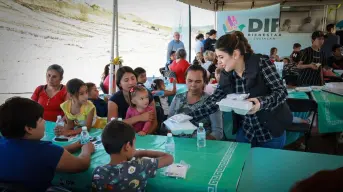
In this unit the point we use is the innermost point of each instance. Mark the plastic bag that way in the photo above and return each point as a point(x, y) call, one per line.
point(177, 170)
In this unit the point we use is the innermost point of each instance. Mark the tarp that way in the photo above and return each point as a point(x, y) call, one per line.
point(223, 5)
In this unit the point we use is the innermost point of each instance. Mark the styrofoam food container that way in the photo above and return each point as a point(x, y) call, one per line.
point(317, 88)
point(303, 89)
point(239, 107)
point(180, 128)
point(235, 96)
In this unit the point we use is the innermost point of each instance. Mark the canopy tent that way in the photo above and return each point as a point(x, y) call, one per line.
point(224, 5)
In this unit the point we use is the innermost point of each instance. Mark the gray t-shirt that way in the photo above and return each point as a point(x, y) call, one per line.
point(127, 176)
point(174, 46)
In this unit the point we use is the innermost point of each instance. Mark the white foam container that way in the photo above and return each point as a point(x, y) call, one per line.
point(239, 107)
point(185, 127)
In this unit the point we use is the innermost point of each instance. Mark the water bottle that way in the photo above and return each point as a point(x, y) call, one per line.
point(60, 121)
point(84, 137)
point(170, 145)
point(201, 136)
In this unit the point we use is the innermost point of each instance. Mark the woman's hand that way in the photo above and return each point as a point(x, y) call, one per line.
point(141, 133)
point(256, 106)
point(147, 116)
point(313, 66)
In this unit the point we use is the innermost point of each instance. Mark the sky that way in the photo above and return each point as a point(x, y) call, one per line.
point(163, 12)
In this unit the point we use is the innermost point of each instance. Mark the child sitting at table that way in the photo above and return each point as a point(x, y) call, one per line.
point(159, 88)
point(139, 103)
point(141, 75)
point(26, 161)
point(100, 104)
point(290, 72)
point(123, 173)
point(79, 111)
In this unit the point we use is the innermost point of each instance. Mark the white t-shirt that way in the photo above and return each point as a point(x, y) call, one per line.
point(165, 105)
point(198, 46)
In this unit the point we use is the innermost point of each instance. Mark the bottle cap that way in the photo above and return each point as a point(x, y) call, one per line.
point(169, 135)
point(201, 124)
point(84, 128)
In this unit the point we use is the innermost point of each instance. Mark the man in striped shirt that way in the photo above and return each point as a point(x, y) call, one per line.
point(311, 62)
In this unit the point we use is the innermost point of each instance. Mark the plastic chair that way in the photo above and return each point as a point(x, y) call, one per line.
point(303, 106)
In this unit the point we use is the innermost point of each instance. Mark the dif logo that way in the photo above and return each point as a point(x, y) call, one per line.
point(268, 25)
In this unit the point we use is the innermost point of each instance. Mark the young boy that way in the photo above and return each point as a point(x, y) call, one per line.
point(26, 160)
point(100, 105)
point(295, 56)
point(123, 173)
point(141, 75)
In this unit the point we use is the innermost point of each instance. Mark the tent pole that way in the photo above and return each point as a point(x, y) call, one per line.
point(190, 33)
point(112, 49)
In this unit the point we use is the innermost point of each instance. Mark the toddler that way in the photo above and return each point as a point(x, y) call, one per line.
point(158, 87)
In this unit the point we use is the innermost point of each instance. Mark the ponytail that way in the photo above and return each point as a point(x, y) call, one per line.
point(236, 40)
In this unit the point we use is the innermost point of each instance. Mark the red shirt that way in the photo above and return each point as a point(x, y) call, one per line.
point(51, 106)
point(180, 69)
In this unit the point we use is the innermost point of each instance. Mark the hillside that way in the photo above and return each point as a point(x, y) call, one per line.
point(37, 33)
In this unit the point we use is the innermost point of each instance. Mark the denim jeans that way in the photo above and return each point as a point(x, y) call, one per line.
point(275, 143)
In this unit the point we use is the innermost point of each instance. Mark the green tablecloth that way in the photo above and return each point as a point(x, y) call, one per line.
point(214, 168)
point(330, 115)
point(269, 170)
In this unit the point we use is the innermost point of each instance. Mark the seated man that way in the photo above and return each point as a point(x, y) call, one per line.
point(196, 80)
point(26, 160)
point(336, 60)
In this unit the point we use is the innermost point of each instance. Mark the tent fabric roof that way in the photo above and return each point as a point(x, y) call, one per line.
point(223, 5)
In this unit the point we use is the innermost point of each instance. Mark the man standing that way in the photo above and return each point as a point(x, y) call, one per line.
point(174, 45)
point(210, 42)
point(311, 62)
point(330, 40)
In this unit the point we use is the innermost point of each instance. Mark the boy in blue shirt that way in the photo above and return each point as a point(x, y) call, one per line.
point(127, 170)
point(100, 105)
point(27, 161)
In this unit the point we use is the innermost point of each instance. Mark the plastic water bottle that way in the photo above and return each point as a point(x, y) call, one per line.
point(201, 136)
point(170, 145)
point(60, 121)
point(84, 137)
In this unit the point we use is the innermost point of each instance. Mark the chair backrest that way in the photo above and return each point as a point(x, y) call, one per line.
point(302, 105)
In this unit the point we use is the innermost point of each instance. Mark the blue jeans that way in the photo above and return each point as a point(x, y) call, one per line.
point(275, 143)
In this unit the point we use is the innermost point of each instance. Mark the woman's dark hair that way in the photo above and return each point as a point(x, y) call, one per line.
point(106, 72)
point(90, 86)
point(74, 85)
point(115, 135)
point(171, 53)
point(272, 50)
point(230, 42)
point(120, 73)
point(181, 54)
point(289, 61)
point(200, 36)
point(198, 68)
point(139, 71)
point(16, 113)
point(336, 46)
point(157, 84)
point(56, 68)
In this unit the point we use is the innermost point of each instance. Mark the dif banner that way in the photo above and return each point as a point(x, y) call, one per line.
point(261, 27)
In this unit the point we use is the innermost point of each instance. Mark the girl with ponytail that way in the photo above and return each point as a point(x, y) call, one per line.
point(248, 73)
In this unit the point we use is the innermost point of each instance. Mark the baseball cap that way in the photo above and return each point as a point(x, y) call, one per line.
point(317, 34)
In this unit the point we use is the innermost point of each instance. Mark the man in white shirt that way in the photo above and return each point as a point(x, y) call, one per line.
point(175, 44)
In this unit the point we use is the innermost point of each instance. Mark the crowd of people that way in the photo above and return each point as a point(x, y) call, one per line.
point(228, 62)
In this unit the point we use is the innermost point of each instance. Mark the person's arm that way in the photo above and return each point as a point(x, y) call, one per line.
point(72, 148)
point(154, 123)
point(274, 83)
point(164, 159)
point(216, 125)
point(90, 118)
point(112, 110)
point(172, 92)
point(209, 106)
point(71, 164)
point(35, 95)
point(169, 49)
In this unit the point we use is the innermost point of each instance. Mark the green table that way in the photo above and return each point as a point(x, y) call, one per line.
point(269, 170)
point(330, 116)
point(217, 167)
